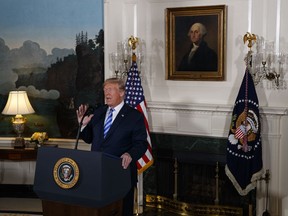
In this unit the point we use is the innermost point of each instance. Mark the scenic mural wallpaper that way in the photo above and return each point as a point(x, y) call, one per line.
point(54, 50)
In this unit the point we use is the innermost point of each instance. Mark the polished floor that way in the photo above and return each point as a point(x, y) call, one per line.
point(27, 206)
point(33, 207)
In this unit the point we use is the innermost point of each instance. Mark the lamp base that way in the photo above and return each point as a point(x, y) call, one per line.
point(19, 143)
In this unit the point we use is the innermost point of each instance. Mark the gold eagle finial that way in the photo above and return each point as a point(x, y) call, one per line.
point(132, 41)
point(250, 38)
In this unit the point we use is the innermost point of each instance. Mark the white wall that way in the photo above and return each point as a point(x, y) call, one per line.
point(146, 19)
point(204, 107)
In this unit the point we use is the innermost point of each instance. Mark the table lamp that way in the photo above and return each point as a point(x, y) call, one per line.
point(18, 104)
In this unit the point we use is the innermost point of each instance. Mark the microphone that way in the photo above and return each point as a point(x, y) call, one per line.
point(90, 110)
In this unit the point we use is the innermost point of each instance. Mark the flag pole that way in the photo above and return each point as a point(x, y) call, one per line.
point(133, 41)
point(135, 98)
point(251, 38)
point(244, 164)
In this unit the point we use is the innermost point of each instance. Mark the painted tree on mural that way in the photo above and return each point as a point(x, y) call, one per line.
point(79, 80)
point(72, 78)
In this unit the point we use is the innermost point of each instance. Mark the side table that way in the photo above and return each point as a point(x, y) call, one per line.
point(26, 154)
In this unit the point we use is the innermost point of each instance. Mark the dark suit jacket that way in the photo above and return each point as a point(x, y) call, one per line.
point(204, 59)
point(127, 134)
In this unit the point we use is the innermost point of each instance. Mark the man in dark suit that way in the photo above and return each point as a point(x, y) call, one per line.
point(200, 57)
point(126, 138)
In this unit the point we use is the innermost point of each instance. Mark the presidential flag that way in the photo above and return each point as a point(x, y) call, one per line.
point(244, 149)
point(135, 98)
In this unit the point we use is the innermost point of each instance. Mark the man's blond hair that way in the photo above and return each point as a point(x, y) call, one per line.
point(115, 80)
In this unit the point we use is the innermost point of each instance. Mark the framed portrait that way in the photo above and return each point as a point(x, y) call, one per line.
point(195, 43)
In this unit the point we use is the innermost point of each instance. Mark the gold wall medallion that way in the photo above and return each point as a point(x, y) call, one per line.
point(66, 173)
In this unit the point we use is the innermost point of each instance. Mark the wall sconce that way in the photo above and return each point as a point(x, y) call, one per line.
point(18, 104)
point(265, 63)
point(121, 60)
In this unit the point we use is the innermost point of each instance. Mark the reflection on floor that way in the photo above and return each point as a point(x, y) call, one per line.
point(156, 212)
point(19, 214)
point(32, 206)
point(25, 205)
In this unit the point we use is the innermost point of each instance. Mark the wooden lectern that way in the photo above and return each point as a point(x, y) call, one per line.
point(75, 182)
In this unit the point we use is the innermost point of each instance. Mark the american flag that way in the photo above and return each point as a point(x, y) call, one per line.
point(135, 98)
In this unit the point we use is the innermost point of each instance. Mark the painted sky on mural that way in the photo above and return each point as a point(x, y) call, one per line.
point(50, 23)
point(38, 32)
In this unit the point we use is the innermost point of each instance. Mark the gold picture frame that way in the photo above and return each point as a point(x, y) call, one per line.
point(205, 66)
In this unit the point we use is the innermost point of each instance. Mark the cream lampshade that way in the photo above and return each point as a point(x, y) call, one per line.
point(18, 104)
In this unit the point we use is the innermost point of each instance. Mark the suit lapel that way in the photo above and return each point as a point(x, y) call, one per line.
point(99, 123)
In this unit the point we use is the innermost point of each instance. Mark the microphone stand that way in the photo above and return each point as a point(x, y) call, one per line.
point(78, 132)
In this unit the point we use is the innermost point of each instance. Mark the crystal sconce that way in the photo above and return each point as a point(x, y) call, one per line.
point(121, 60)
point(265, 63)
